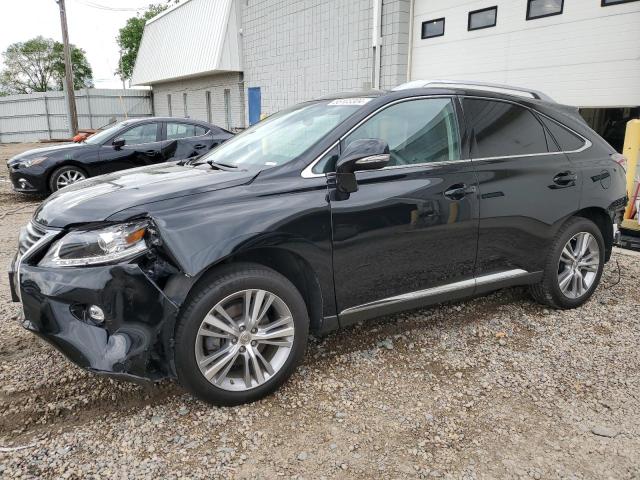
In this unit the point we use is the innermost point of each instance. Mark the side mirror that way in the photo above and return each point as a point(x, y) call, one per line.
point(365, 154)
point(118, 143)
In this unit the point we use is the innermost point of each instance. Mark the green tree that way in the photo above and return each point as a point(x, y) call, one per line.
point(37, 65)
point(130, 37)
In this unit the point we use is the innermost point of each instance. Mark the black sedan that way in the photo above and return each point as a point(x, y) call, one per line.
point(128, 144)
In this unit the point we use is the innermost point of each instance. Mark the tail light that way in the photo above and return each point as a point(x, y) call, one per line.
point(620, 160)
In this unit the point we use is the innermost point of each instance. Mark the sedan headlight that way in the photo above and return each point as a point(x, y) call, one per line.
point(95, 247)
point(31, 161)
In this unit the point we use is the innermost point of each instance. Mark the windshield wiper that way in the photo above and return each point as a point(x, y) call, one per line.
point(221, 166)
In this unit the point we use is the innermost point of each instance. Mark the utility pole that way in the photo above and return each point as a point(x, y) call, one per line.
point(71, 98)
point(124, 87)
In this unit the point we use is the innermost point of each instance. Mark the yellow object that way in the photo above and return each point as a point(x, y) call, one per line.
point(631, 151)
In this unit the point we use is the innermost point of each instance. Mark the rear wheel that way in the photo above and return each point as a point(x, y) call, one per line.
point(241, 336)
point(574, 265)
point(65, 176)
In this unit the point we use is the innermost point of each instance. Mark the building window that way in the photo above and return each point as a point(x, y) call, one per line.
point(433, 28)
point(208, 100)
point(169, 104)
point(184, 105)
point(544, 8)
point(608, 3)
point(485, 18)
point(227, 108)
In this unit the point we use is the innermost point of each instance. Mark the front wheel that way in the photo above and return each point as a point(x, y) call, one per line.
point(65, 176)
point(241, 336)
point(574, 265)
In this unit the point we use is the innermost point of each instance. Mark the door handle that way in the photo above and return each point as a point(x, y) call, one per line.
point(565, 179)
point(458, 191)
point(199, 146)
point(150, 153)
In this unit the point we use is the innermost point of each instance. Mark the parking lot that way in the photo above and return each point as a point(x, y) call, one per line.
point(492, 387)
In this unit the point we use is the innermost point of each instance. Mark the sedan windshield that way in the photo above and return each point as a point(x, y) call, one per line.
point(283, 136)
point(99, 137)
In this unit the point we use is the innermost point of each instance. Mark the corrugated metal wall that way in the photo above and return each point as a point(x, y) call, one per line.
point(194, 37)
point(40, 116)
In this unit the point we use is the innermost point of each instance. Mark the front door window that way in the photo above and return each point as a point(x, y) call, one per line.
point(146, 133)
point(417, 131)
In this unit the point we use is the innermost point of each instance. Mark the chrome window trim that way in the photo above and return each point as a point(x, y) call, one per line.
point(430, 292)
point(308, 171)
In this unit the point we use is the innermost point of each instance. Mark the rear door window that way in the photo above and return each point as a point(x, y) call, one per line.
point(503, 129)
point(176, 131)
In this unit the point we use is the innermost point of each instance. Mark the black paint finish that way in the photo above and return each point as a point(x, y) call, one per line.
point(105, 158)
point(407, 228)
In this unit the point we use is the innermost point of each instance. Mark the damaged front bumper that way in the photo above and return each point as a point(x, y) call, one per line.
point(134, 339)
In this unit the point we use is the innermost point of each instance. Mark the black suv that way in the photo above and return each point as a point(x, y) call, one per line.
point(332, 212)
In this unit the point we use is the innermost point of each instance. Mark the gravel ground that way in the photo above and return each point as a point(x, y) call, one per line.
point(495, 387)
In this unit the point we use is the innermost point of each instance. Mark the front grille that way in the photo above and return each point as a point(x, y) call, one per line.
point(30, 236)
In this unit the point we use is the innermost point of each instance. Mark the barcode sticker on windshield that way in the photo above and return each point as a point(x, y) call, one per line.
point(350, 101)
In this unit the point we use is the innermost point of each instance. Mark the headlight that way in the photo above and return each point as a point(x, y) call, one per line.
point(32, 161)
point(94, 247)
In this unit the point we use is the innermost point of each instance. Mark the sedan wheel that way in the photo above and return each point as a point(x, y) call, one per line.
point(578, 265)
point(68, 177)
point(244, 340)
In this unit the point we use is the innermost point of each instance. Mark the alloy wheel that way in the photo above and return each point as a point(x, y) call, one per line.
point(68, 177)
point(244, 340)
point(578, 265)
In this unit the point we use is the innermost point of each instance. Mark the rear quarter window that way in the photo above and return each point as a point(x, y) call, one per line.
point(566, 140)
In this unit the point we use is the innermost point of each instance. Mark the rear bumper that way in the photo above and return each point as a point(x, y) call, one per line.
point(128, 344)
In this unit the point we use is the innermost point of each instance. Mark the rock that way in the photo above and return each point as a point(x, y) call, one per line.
point(386, 343)
point(183, 410)
point(604, 432)
point(302, 456)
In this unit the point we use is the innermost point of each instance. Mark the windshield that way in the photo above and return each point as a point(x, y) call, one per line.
point(285, 135)
point(98, 138)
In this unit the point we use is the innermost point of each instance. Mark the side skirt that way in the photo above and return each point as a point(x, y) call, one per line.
point(443, 293)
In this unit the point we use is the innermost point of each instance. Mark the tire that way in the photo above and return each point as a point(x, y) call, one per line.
point(197, 341)
point(70, 172)
point(554, 290)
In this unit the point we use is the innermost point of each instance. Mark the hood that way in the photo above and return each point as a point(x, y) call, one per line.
point(98, 198)
point(49, 151)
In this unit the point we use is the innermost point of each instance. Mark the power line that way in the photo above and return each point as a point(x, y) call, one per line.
point(99, 6)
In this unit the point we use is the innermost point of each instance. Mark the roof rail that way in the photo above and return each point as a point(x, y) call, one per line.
point(474, 85)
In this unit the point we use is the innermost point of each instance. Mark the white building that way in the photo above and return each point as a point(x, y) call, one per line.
point(231, 61)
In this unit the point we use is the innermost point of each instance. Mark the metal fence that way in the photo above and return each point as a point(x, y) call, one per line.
point(43, 116)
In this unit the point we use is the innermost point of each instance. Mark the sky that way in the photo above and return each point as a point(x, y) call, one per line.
point(90, 28)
